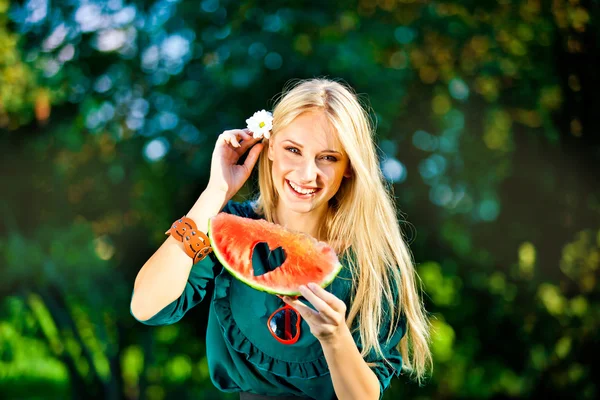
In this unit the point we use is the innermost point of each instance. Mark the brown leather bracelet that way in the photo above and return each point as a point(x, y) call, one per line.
point(195, 243)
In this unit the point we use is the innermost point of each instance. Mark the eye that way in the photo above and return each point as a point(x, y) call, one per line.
point(295, 150)
point(290, 149)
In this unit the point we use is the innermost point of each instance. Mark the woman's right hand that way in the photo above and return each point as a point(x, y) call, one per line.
point(225, 174)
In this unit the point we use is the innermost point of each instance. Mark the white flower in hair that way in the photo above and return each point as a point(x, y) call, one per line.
point(260, 124)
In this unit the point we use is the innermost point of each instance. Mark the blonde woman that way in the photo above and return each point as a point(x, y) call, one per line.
point(318, 174)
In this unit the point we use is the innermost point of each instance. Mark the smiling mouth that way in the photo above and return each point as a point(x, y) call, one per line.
point(300, 191)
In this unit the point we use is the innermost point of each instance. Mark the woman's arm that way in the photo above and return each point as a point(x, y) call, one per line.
point(351, 376)
point(163, 277)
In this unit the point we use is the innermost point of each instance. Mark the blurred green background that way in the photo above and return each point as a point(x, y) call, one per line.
point(487, 124)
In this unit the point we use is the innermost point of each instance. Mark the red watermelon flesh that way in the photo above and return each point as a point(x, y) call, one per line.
point(233, 239)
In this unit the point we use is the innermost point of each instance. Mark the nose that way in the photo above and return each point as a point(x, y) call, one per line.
point(308, 172)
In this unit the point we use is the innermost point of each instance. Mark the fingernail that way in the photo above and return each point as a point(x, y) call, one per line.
point(313, 286)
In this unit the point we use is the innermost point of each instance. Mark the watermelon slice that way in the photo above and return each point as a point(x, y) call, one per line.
point(233, 239)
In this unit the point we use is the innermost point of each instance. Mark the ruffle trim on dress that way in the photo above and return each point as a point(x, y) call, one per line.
point(240, 343)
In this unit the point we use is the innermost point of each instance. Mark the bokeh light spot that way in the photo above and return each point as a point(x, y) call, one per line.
point(458, 89)
point(273, 61)
point(156, 149)
point(488, 210)
point(404, 34)
point(394, 170)
point(425, 141)
point(440, 194)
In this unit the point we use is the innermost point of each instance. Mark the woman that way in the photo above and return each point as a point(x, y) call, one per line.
point(318, 174)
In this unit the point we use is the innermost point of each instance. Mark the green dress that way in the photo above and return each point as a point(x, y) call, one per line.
point(242, 355)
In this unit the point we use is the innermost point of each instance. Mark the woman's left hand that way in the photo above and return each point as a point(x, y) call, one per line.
point(328, 321)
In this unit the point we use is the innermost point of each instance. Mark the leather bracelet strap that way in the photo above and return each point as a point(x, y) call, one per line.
point(195, 243)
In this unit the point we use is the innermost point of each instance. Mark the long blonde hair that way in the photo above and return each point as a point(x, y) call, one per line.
point(380, 262)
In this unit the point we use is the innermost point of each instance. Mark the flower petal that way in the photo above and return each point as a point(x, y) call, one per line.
point(260, 124)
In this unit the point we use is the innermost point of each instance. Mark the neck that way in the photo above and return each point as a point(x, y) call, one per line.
point(309, 223)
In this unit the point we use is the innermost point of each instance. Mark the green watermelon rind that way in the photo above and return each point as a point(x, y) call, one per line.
point(326, 281)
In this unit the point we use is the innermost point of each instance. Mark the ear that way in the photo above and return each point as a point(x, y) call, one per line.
point(270, 150)
point(348, 172)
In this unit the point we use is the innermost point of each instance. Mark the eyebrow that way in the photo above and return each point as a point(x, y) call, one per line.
point(324, 151)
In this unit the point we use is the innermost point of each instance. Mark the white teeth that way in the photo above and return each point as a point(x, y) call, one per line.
point(300, 190)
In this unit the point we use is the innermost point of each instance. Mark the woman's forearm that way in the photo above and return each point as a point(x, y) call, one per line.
point(351, 376)
point(163, 277)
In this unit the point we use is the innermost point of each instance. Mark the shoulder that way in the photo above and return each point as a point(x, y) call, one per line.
point(245, 209)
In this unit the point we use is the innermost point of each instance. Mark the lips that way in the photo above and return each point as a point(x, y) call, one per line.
point(299, 194)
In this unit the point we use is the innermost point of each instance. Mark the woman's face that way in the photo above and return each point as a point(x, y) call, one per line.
point(309, 163)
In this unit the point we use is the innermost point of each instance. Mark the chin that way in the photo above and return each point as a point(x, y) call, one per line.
point(303, 207)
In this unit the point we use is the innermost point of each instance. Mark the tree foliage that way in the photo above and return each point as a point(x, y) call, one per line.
point(485, 115)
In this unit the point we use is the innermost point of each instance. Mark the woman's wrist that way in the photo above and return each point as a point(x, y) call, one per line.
point(338, 340)
point(217, 188)
point(209, 204)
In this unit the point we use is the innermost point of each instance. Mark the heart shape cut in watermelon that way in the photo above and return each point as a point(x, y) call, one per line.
point(265, 260)
point(233, 239)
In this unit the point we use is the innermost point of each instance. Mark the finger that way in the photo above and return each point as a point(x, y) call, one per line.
point(246, 132)
point(334, 302)
point(223, 138)
point(243, 134)
point(253, 156)
point(231, 137)
point(242, 137)
point(237, 133)
point(305, 311)
point(233, 140)
point(248, 141)
point(324, 309)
